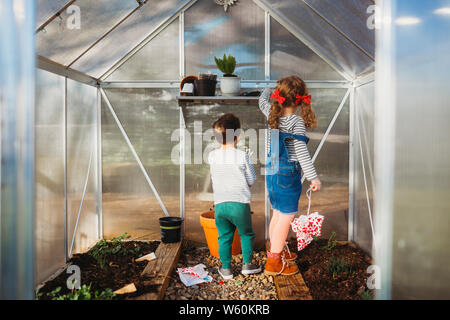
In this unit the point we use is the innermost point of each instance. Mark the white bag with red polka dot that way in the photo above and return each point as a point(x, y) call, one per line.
point(307, 226)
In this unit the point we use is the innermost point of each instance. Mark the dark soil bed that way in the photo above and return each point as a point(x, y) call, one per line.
point(314, 263)
point(121, 270)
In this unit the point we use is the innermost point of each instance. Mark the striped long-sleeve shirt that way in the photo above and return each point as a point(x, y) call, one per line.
point(232, 174)
point(292, 124)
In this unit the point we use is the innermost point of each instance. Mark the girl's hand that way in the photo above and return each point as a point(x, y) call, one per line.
point(316, 184)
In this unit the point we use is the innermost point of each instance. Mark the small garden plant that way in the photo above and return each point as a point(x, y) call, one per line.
point(337, 266)
point(366, 295)
point(331, 242)
point(84, 293)
point(226, 65)
point(104, 249)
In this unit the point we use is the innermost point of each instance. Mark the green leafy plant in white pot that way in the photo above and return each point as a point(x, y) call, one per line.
point(230, 84)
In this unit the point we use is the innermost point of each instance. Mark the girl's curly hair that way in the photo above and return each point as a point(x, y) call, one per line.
point(289, 87)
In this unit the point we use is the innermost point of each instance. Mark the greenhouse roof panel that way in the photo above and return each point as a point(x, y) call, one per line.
point(48, 8)
point(65, 39)
point(110, 31)
point(351, 17)
point(319, 33)
point(127, 36)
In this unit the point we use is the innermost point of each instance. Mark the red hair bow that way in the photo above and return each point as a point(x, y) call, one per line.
point(306, 99)
point(276, 95)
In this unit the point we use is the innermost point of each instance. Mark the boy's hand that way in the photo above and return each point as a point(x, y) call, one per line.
point(316, 184)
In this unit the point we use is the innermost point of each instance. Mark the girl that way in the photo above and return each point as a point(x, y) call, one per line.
point(287, 156)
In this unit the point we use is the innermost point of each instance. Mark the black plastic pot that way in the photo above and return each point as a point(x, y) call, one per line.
point(170, 229)
point(205, 87)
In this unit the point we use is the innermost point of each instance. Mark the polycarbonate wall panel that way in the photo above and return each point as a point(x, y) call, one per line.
point(81, 165)
point(62, 41)
point(350, 17)
point(331, 163)
point(126, 36)
point(318, 32)
point(157, 60)
point(209, 32)
point(290, 56)
point(149, 117)
point(421, 220)
point(199, 196)
point(49, 174)
point(363, 162)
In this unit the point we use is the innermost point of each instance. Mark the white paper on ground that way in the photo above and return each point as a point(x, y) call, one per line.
point(194, 275)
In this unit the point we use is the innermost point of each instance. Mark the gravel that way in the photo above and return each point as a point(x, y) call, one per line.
point(249, 287)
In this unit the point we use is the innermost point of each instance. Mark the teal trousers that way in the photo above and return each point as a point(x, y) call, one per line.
point(229, 216)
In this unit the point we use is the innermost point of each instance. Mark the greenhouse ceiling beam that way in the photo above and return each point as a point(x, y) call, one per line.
point(293, 30)
point(172, 17)
point(140, 4)
point(53, 17)
point(59, 69)
point(363, 80)
point(339, 31)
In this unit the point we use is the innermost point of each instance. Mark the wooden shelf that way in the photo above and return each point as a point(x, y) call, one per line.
point(184, 100)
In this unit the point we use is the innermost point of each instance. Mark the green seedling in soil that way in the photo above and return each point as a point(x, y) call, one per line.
point(331, 242)
point(39, 295)
point(104, 250)
point(226, 65)
point(366, 295)
point(84, 293)
point(337, 266)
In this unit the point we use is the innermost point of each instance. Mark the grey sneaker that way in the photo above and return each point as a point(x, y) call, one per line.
point(250, 268)
point(226, 273)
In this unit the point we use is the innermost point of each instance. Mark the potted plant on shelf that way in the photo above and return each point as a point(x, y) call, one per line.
point(230, 84)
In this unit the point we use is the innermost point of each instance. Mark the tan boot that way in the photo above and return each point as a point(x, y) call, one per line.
point(276, 265)
point(288, 255)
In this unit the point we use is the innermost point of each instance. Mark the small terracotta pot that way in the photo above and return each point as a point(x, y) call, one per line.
point(209, 227)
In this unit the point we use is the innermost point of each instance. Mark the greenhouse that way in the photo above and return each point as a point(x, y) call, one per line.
point(99, 140)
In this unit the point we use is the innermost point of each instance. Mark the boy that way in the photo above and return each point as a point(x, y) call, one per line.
point(232, 175)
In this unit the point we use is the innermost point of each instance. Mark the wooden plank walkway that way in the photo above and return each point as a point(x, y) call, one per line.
point(291, 287)
point(160, 269)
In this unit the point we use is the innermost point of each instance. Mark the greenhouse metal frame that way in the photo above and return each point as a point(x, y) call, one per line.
point(357, 73)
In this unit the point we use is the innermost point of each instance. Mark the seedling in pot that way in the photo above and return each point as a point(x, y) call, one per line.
point(226, 65)
point(230, 84)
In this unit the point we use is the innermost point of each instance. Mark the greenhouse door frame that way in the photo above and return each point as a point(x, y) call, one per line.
point(249, 84)
point(348, 82)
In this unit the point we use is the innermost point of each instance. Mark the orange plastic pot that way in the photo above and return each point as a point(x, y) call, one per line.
point(209, 227)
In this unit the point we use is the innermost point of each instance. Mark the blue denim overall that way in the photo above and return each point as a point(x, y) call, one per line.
point(283, 176)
